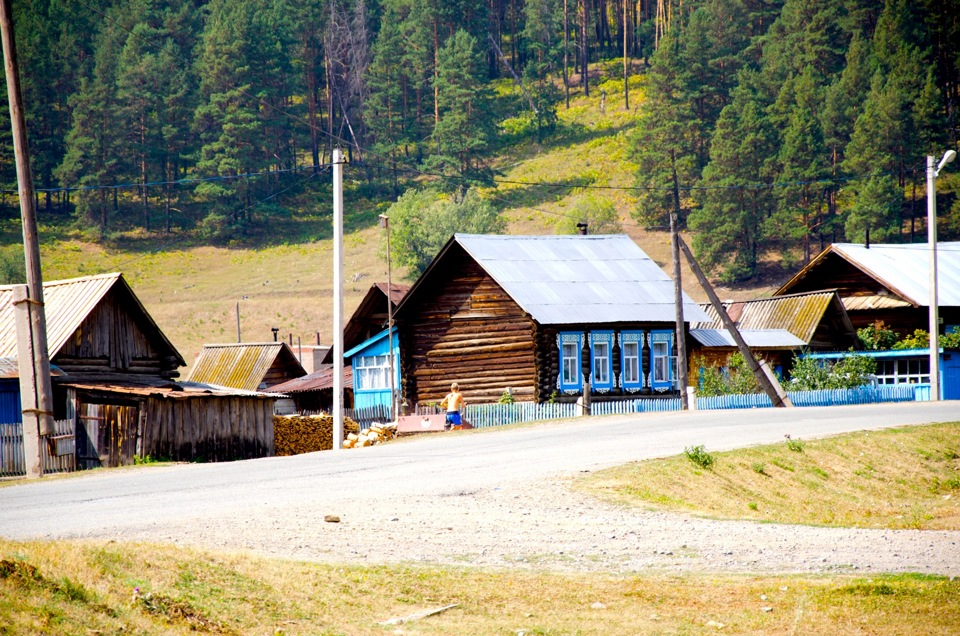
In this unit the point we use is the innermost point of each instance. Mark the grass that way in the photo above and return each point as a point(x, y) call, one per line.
point(69, 588)
point(896, 478)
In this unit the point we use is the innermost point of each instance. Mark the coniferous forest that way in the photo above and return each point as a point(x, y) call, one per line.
point(769, 127)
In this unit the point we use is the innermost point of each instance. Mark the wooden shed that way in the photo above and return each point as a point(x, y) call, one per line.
point(777, 328)
point(539, 316)
point(252, 366)
point(114, 380)
point(889, 283)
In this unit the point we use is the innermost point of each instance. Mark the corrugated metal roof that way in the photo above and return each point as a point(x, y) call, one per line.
point(799, 314)
point(167, 389)
point(863, 303)
point(238, 365)
point(67, 303)
point(758, 338)
point(316, 381)
point(574, 279)
point(904, 269)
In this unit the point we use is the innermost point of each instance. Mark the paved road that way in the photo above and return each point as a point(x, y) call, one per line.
point(488, 497)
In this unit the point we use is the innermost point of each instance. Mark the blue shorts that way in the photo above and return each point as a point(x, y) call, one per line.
point(453, 417)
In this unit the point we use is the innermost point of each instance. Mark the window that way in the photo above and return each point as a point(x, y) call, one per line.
point(904, 371)
point(664, 364)
point(570, 345)
point(631, 349)
point(372, 372)
point(601, 364)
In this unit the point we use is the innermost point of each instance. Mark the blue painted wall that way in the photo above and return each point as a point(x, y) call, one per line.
point(10, 402)
point(378, 345)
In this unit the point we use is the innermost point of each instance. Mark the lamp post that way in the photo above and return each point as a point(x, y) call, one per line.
point(932, 172)
point(385, 224)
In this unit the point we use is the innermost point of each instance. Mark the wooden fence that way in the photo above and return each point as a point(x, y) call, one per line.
point(12, 462)
point(838, 397)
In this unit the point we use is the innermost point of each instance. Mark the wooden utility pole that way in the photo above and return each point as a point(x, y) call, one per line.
point(626, 84)
point(337, 299)
point(765, 377)
point(681, 332)
point(394, 414)
point(35, 389)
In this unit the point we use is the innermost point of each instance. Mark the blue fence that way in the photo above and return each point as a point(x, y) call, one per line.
point(839, 397)
point(486, 415)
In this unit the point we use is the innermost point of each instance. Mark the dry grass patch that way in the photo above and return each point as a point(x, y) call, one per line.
point(81, 588)
point(896, 478)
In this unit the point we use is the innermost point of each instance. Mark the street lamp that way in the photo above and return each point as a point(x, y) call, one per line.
point(385, 224)
point(932, 173)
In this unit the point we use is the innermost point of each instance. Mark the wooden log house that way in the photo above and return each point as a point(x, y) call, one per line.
point(539, 316)
point(889, 283)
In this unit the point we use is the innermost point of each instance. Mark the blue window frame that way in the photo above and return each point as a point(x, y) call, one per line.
point(601, 361)
point(570, 345)
point(662, 361)
point(631, 358)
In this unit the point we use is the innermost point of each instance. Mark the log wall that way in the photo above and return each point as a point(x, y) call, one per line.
point(465, 328)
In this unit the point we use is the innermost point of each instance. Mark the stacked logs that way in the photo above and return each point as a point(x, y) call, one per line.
point(296, 434)
point(376, 434)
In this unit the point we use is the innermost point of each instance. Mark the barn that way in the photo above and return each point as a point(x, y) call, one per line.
point(541, 316)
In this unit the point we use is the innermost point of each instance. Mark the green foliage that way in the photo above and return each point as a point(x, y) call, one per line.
point(919, 339)
point(506, 397)
point(794, 445)
point(598, 213)
point(877, 337)
point(759, 468)
point(735, 378)
point(809, 374)
point(13, 267)
point(422, 221)
point(699, 456)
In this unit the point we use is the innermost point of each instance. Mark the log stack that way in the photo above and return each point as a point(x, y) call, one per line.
point(376, 434)
point(296, 434)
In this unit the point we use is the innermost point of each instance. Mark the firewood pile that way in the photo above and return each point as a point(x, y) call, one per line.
point(296, 434)
point(376, 434)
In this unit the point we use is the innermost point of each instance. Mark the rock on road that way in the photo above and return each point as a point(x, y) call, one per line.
point(491, 498)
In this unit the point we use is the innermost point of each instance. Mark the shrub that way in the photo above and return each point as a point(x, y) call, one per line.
point(699, 456)
point(506, 397)
point(809, 374)
point(877, 337)
point(794, 444)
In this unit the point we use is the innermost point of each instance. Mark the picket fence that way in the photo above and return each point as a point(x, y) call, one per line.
point(827, 397)
point(12, 461)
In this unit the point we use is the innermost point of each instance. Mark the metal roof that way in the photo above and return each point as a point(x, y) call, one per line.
point(67, 303)
point(904, 269)
point(316, 381)
point(799, 314)
point(154, 387)
point(578, 279)
point(755, 338)
point(239, 365)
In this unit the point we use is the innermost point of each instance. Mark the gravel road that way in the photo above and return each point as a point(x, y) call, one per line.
point(489, 498)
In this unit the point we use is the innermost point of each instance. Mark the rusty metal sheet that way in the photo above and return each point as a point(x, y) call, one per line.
point(798, 314)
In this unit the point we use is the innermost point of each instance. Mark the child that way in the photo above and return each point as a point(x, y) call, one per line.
point(453, 402)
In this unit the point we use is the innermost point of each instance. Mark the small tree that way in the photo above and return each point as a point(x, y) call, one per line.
point(809, 374)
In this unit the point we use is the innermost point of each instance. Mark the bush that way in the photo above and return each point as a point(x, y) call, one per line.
point(851, 372)
point(699, 456)
point(877, 337)
point(734, 379)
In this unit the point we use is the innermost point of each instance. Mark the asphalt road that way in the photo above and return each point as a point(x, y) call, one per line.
point(428, 483)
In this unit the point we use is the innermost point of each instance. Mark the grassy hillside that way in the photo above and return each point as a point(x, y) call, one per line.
point(193, 290)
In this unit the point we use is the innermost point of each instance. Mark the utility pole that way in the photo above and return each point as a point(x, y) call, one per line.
point(337, 299)
point(626, 85)
point(765, 377)
point(385, 224)
point(681, 334)
point(35, 390)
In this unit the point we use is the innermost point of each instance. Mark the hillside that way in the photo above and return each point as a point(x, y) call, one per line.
point(193, 291)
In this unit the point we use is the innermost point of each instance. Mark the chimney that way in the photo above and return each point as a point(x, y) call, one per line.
point(582, 228)
point(867, 244)
point(318, 338)
point(275, 331)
